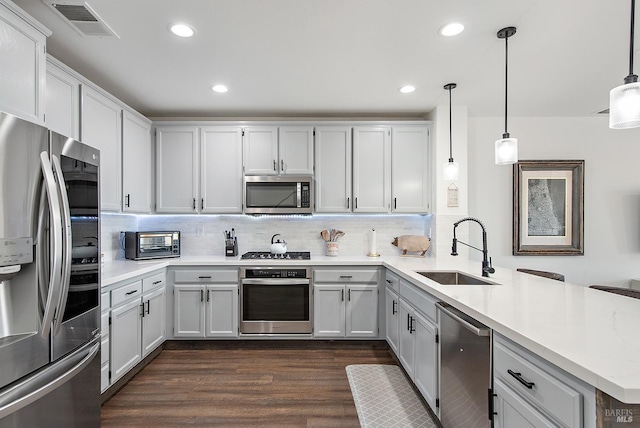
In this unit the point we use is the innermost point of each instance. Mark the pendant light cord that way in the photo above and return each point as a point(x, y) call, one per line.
point(633, 14)
point(506, 76)
point(450, 129)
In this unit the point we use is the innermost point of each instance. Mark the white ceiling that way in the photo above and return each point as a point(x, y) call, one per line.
point(317, 58)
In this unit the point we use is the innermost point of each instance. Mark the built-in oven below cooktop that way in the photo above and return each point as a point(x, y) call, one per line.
point(265, 255)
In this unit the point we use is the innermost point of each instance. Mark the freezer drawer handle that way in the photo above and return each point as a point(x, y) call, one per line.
point(520, 379)
point(37, 386)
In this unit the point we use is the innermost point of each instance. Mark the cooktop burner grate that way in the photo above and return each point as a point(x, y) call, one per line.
point(265, 255)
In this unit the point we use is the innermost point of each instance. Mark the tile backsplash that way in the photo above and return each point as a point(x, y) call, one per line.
point(203, 235)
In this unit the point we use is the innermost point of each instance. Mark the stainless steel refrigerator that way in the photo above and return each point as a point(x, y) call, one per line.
point(49, 278)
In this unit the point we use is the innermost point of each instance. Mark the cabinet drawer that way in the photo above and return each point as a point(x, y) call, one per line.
point(393, 281)
point(126, 292)
point(346, 276)
point(153, 282)
point(206, 276)
point(105, 301)
point(546, 391)
point(421, 300)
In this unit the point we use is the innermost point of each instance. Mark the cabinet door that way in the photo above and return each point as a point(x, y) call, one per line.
point(513, 411)
point(333, 170)
point(176, 169)
point(153, 320)
point(63, 102)
point(102, 129)
point(371, 169)
point(136, 164)
point(329, 310)
point(362, 310)
point(426, 360)
point(295, 149)
point(222, 310)
point(392, 317)
point(221, 170)
point(261, 150)
point(188, 311)
point(126, 338)
point(410, 170)
point(407, 338)
point(22, 61)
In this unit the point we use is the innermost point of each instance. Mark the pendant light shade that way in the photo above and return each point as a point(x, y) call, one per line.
point(451, 168)
point(624, 100)
point(506, 147)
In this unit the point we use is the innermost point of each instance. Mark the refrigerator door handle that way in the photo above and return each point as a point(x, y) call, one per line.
point(41, 384)
point(66, 245)
point(53, 293)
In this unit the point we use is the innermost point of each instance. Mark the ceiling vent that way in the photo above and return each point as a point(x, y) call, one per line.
point(81, 17)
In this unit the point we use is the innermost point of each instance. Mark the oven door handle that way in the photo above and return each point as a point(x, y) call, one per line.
point(276, 281)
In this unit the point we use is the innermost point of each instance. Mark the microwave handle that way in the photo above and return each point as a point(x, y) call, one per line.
point(299, 195)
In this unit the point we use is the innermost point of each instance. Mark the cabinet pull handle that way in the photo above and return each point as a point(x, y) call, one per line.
point(395, 203)
point(282, 165)
point(346, 276)
point(348, 201)
point(157, 282)
point(394, 309)
point(131, 292)
point(148, 307)
point(519, 378)
point(342, 295)
point(409, 323)
point(202, 203)
point(128, 203)
point(389, 281)
point(208, 295)
point(142, 308)
point(356, 202)
point(205, 277)
point(275, 165)
point(349, 295)
point(412, 327)
point(194, 203)
point(202, 295)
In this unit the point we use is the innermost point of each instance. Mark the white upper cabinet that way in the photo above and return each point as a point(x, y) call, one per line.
point(261, 150)
point(295, 150)
point(22, 64)
point(410, 169)
point(221, 169)
point(62, 101)
point(102, 129)
point(269, 150)
point(371, 169)
point(176, 169)
point(136, 163)
point(333, 169)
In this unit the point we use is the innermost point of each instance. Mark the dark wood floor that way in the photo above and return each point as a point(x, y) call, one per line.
point(245, 384)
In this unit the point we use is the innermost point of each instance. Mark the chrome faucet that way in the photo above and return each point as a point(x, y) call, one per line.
point(486, 260)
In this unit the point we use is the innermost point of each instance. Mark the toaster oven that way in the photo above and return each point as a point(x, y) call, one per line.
point(151, 245)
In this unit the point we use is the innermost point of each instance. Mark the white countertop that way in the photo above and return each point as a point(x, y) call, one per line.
point(589, 333)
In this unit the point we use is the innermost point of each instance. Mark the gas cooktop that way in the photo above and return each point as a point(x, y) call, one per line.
point(265, 255)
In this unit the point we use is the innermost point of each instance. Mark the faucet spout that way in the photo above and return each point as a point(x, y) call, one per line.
point(486, 260)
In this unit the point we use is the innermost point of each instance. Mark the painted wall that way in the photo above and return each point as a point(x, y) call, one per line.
point(612, 193)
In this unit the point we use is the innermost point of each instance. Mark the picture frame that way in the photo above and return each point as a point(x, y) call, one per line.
point(548, 208)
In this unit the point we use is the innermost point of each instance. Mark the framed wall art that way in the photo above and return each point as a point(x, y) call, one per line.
point(548, 208)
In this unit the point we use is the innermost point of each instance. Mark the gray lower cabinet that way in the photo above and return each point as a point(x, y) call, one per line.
point(205, 303)
point(531, 392)
point(345, 303)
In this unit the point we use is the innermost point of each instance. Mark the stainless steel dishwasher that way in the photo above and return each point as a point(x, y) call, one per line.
point(465, 369)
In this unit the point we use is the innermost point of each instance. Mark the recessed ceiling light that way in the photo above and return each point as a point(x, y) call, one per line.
point(182, 30)
point(219, 88)
point(407, 89)
point(451, 29)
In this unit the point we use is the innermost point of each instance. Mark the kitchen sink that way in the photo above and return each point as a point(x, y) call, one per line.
point(454, 278)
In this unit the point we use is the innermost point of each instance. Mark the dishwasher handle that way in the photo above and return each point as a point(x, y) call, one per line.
point(465, 320)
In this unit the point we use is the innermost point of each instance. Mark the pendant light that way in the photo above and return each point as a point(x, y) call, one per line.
point(624, 100)
point(506, 147)
point(451, 167)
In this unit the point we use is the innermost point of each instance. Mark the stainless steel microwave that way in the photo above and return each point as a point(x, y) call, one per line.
point(151, 245)
point(278, 194)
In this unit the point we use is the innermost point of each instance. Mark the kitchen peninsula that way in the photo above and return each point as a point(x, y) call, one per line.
point(585, 332)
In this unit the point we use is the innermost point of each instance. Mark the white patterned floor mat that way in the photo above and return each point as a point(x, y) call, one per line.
point(384, 398)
